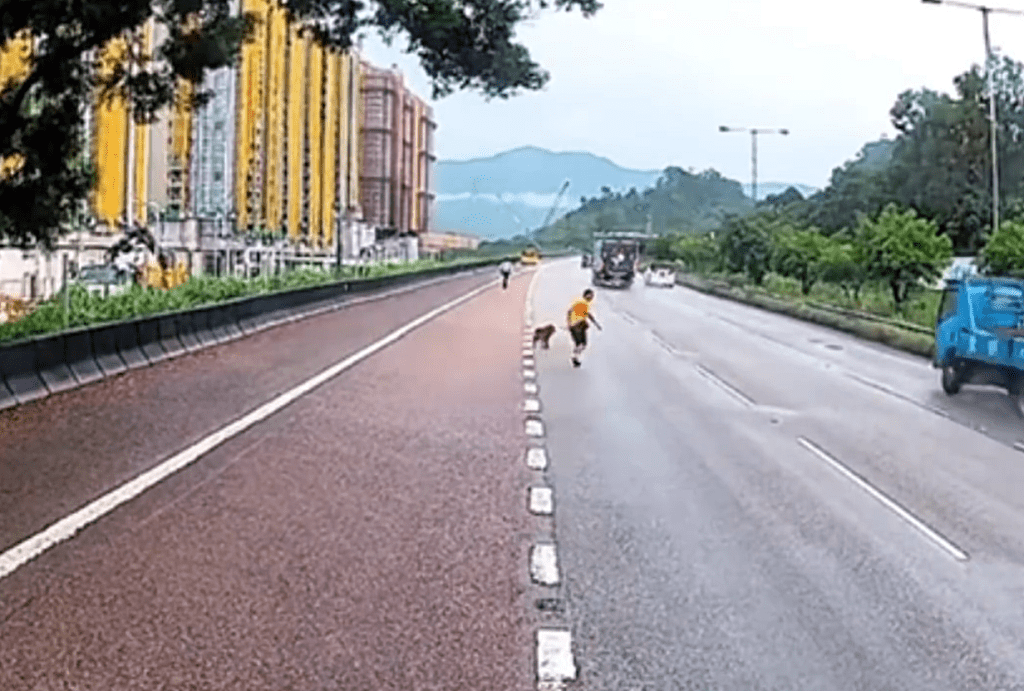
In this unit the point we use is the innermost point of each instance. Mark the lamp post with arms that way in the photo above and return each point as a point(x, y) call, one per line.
point(754, 131)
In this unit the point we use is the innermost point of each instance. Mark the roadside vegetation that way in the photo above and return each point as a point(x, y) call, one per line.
point(80, 308)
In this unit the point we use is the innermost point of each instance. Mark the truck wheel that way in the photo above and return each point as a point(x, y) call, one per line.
point(951, 379)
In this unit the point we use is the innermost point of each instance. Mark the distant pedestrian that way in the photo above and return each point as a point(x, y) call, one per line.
point(577, 318)
point(506, 271)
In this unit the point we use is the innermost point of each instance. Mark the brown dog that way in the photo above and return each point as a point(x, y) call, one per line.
point(542, 334)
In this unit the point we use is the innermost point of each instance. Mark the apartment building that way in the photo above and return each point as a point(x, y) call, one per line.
point(398, 154)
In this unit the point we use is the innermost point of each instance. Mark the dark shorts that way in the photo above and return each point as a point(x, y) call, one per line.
point(579, 333)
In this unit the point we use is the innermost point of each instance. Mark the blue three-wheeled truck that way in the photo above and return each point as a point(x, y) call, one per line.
point(979, 335)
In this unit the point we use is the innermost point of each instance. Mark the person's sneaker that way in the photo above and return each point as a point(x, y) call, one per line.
point(576, 363)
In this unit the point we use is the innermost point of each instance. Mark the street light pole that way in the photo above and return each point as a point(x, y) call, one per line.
point(992, 120)
point(985, 12)
point(754, 131)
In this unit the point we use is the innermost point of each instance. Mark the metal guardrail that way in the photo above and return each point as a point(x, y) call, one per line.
point(36, 367)
point(720, 285)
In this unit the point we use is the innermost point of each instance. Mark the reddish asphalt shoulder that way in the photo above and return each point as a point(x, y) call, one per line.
point(368, 536)
point(59, 453)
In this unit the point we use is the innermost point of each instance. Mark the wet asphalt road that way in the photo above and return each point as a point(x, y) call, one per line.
point(371, 535)
point(745, 501)
point(710, 527)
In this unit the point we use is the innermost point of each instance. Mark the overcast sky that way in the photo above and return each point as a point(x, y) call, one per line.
point(646, 83)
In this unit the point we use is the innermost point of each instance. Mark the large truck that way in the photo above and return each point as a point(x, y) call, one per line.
point(617, 258)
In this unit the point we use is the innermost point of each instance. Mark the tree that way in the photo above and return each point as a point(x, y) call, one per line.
point(462, 44)
point(746, 244)
point(843, 263)
point(698, 253)
point(797, 254)
point(1004, 251)
point(904, 250)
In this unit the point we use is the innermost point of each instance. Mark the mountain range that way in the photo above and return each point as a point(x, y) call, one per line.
point(513, 192)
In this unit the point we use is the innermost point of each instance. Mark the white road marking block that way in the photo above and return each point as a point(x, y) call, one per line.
point(67, 527)
point(542, 500)
point(529, 362)
point(544, 565)
point(536, 458)
point(527, 352)
point(878, 494)
point(531, 405)
point(530, 388)
point(554, 656)
point(534, 428)
point(529, 374)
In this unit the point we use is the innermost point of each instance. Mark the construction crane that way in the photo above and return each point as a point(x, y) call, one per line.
point(551, 211)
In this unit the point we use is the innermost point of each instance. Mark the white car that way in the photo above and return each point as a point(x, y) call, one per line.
point(660, 276)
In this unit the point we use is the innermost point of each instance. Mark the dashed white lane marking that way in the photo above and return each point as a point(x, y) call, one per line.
point(68, 526)
point(531, 405)
point(554, 657)
point(903, 513)
point(536, 459)
point(529, 362)
point(527, 352)
point(534, 428)
point(528, 307)
point(544, 564)
point(724, 385)
point(529, 374)
point(542, 500)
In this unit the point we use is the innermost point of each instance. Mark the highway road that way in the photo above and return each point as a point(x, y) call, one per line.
point(745, 501)
point(719, 498)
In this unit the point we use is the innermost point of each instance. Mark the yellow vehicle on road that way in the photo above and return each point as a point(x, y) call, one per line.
point(530, 256)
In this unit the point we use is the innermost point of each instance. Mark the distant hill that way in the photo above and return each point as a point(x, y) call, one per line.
point(766, 188)
point(512, 192)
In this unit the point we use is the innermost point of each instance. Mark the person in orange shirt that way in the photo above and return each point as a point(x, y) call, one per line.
point(577, 318)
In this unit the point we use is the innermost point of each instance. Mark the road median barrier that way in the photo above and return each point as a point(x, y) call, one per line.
point(104, 347)
point(21, 374)
point(37, 366)
point(916, 340)
point(51, 363)
point(167, 327)
point(80, 358)
point(126, 335)
point(149, 340)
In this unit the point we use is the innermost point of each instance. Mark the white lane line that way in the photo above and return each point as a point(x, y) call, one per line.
point(531, 405)
point(896, 394)
point(554, 657)
point(536, 459)
point(67, 527)
point(528, 307)
point(530, 388)
point(527, 352)
point(903, 513)
point(725, 386)
point(534, 428)
point(529, 362)
point(542, 500)
point(529, 374)
point(544, 564)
